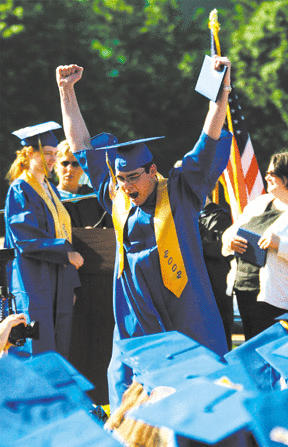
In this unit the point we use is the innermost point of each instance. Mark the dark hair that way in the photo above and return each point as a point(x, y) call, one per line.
point(147, 166)
point(280, 166)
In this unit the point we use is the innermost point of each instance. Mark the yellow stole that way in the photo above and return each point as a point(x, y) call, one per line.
point(172, 266)
point(62, 221)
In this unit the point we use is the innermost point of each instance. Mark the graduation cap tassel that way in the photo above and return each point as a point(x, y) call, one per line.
point(42, 157)
point(112, 176)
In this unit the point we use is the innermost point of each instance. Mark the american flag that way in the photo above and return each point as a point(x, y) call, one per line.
point(242, 180)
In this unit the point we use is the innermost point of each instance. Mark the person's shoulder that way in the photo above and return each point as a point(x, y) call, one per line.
point(18, 184)
point(262, 199)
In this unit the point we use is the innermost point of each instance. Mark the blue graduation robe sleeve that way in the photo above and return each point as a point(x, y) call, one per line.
point(27, 228)
point(93, 163)
point(202, 166)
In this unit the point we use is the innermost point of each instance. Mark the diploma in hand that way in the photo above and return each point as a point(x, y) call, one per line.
point(254, 254)
point(210, 80)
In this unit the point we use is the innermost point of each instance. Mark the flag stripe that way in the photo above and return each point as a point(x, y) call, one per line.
point(241, 180)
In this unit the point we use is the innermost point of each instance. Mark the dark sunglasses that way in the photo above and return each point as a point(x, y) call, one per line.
point(66, 163)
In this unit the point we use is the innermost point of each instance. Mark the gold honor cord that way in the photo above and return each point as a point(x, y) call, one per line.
point(173, 270)
point(62, 221)
point(172, 266)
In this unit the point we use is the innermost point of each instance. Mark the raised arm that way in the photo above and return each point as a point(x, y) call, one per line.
point(217, 111)
point(73, 123)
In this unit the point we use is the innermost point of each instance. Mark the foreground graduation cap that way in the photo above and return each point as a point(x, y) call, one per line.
point(261, 372)
point(38, 409)
point(269, 418)
point(62, 376)
point(29, 135)
point(283, 317)
point(199, 364)
point(202, 411)
point(162, 350)
point(76, 430)
point(127, 156)
point(276, 354)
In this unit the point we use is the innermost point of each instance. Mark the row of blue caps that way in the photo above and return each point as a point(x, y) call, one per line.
point(44, 402)
point(29, 136)
point(126, 159)
point(215, 401)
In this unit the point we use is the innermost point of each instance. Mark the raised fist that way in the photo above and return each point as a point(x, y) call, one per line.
point(68, 75)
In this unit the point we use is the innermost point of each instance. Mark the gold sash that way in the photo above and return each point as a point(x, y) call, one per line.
point(62, 221)
point(172, 266)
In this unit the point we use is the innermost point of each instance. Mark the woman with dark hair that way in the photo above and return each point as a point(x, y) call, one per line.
point(262, 293)
point(42, 276)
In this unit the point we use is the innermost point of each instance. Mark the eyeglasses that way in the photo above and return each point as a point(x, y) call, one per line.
point(132, 178)
point(66, 163)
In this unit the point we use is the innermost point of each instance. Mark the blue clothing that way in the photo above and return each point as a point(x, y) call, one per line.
point(142, 304)
point(40, 277)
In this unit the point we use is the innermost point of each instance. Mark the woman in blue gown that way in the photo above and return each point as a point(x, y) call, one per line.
point(43, 274)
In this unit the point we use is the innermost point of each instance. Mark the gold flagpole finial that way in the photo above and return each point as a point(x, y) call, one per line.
point(214, 25)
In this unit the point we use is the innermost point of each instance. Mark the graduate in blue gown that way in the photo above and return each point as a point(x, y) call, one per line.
point(160, 279)
point(43, 275)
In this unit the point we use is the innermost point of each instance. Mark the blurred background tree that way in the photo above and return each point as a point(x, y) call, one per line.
point(141, 59)
point(259, 53)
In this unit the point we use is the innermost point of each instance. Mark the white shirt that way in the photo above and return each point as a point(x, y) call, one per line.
point(274, 275)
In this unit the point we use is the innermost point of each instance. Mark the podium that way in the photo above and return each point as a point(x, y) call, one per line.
point(93, 322)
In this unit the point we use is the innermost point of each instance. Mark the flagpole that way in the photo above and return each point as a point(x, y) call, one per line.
point(214, 26)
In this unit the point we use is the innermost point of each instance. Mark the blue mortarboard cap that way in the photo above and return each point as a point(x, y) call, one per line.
point(236, 374)
point(261, 372)
point(150, 352)
point(38, 409)
point(62, 376)
point(283, 317)
point(76, 430)
point(28, 400)
point(103, 140)
point(57, 369)
point(202, 411)
point(269, 418)
point(129, 155)
point(199, 364)
point(276, 354)
point(29, 135)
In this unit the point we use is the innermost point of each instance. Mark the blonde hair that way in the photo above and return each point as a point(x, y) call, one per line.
point(63, 149)
point(136, 433)
point(20, 164)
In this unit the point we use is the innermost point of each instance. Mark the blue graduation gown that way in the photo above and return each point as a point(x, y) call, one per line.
point(142, 304)
point(40, 277)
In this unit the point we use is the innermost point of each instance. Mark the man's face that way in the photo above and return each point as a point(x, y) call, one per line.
point(137, 184)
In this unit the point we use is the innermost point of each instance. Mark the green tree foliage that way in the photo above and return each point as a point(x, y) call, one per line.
point(259, 54)
point(141, 60)
point(8, 15)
